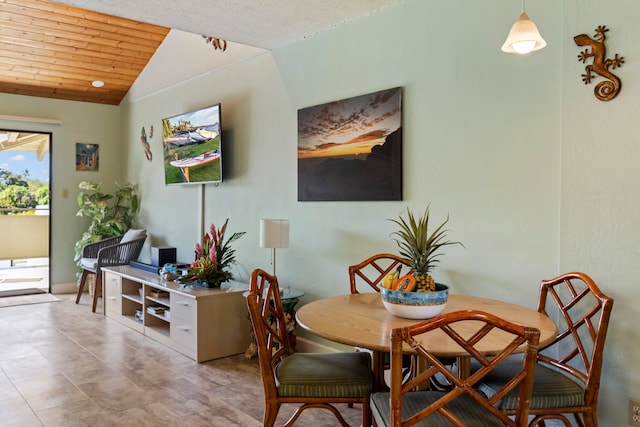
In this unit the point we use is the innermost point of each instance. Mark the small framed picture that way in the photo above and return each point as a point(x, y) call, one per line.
point(87, 157)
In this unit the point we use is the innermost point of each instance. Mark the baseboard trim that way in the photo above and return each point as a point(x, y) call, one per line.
point(307, 346)
point(64, 288)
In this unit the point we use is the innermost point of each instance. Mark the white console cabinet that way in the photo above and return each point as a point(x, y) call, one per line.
point(200, 323)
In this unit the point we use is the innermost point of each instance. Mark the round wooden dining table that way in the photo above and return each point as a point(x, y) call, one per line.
point(361, 320)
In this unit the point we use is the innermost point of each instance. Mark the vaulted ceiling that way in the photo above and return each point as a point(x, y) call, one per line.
point(57, 50)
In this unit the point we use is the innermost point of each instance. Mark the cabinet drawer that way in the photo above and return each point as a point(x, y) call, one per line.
point(112, 293)
point(183, 333)
point(183, 308)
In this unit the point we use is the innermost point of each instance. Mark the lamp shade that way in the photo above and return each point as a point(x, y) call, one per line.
point(524, 37)
point(274, 233)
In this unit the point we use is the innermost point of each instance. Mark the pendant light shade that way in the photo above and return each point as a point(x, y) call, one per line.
point(524, 37)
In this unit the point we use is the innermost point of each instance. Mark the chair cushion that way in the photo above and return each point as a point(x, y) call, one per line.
point(467, 409)
point(133, 234)
point(551, 389)
point(325, 375)
point(90, 264)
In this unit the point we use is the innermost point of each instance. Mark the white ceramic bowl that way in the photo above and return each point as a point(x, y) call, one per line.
point(415, 305)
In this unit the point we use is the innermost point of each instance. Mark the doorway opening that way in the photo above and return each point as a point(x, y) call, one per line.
point(25, 177)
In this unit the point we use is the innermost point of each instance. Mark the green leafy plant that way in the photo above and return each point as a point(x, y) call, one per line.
point(214, 257)
point(110, 214)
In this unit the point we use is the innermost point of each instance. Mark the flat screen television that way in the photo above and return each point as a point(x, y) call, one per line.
point(192, 146)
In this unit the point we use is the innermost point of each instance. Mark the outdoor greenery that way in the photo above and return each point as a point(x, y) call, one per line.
point(20, 194)
point(198, 173)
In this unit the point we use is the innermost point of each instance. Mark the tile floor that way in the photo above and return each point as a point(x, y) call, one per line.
point(62, 365)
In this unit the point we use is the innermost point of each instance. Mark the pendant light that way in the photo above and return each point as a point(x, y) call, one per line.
point(524, 36)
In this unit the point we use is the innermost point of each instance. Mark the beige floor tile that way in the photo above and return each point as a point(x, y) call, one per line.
point(42, 392)
point(116, 394)
point(77, 413)
point(17, 413)
point(62, 365)
point(7, 390)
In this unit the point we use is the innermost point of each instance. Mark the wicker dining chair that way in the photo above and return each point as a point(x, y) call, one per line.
point(567, 378)
point(372, 271)
point(118, 250)
point(314, 380)
point(462, 405)
point(368, 275)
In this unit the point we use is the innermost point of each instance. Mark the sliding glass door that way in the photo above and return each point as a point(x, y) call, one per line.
point(25, 177)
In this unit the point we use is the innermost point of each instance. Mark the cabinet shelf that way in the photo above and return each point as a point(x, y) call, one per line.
point(134, 298)
point(162, 301)
point(162, 316)
point(160, 329)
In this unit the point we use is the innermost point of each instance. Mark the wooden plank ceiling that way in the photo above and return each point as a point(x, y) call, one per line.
point(56, 51)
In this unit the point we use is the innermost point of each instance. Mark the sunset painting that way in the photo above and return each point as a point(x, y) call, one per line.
point(351, 149)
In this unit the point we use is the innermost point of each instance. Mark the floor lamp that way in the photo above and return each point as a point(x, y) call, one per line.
point(274, 233)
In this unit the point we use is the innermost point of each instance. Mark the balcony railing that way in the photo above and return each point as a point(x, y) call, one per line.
point(24, 236)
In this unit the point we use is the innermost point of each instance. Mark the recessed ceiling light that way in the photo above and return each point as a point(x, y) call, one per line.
point(97, 83)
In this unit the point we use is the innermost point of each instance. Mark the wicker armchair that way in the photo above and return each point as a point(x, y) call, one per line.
point(117, 250)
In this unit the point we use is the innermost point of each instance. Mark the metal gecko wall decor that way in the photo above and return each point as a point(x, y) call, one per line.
point(608, 89)
point(216, 42)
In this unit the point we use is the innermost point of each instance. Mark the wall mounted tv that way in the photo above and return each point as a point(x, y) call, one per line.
point(192, 145)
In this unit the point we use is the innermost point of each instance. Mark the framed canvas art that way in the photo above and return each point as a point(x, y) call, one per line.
point(351, 150)
point(87, 157)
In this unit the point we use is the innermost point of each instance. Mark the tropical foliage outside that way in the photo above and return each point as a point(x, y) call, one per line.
point(20, 194)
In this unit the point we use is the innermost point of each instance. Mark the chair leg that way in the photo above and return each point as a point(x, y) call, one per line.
point(96, 291)
point(83, 279)
point(366, 414)
point(590, 419)
point(270, 414)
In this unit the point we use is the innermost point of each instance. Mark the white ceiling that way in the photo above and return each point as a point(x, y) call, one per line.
point(183, 56)
point(266, 24)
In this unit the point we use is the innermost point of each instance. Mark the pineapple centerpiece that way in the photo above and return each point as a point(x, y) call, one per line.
point(422, 248)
